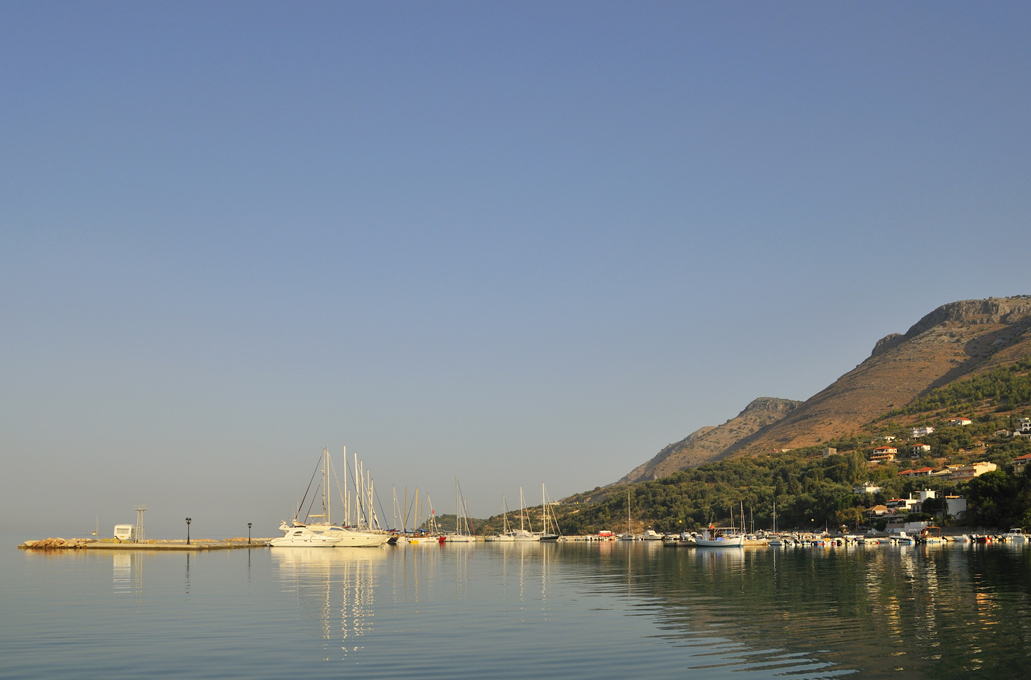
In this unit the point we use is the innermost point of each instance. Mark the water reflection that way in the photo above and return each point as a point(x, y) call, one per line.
point(336, 586)
point(934, 611)
point(127, 573)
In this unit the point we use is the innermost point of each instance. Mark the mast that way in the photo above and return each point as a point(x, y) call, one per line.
point(628, 530)
point(347, 499)
point(326, 496)
point(544, 512)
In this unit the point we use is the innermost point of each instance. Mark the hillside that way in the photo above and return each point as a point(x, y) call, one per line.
point(709, 443)
point(954, 341)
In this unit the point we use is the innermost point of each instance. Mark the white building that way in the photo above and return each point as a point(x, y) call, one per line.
point(920, 432)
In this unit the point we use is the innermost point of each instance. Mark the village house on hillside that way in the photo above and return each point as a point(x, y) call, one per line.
point(1023, 427)
point(922, 472)
point(920, 432)
point(917, 450)
point(963, 422)
point(1020, 462)
point(866, 487)
point(965, 473)
point(883, 454)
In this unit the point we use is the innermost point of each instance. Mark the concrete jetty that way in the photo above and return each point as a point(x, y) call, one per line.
point(152, 546)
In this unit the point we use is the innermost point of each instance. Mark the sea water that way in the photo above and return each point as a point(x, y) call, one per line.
point(518, 610)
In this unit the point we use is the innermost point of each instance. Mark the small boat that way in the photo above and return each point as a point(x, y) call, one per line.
point(651, 535)
point(1015, 535)
point(720, 537)
point(903, 539)
point(932, 535)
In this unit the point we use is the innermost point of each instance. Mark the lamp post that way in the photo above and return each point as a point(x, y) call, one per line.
point(188, 520)
point(248, 533)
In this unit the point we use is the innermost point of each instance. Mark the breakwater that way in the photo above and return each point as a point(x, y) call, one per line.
point(159, 546)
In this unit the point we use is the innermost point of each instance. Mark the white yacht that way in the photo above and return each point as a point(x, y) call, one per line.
point(325, 534)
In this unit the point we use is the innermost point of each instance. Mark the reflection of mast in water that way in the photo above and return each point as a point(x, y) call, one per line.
point(526, 550)
point(316, 574)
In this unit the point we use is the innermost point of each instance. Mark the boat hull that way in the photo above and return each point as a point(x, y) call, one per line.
point(733, 542)
point(328, 536)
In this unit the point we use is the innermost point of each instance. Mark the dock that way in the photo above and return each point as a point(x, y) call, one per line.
point(114, 545)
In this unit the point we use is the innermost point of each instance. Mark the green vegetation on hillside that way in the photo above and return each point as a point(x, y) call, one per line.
point(811, 492)
point(1005, 388)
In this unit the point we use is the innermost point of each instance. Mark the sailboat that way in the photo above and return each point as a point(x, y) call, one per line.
point(462, 525)
point(776, 541)
point(546, 533)
point(323, 533)
point(522, 534)
point(506, 532)
point(629, 535)
point(431, 535)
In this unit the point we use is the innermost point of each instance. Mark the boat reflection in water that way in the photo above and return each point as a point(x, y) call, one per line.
point(332, 584)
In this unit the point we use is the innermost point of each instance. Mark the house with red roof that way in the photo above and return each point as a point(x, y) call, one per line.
point(917, 450)
point(1020, 462)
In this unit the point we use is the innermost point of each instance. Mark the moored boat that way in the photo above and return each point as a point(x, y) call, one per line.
point(720, 537)
point(323, 533)
point(300, 535)
point(1015, 535)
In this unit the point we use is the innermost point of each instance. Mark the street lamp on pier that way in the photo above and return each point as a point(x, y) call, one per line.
point(248, 533)
point(188, 520)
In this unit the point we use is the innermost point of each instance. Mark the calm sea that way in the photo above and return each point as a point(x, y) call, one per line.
point(567, 610)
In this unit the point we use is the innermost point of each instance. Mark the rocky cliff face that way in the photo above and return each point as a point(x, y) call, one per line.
point(709, 443)
point(954, 341)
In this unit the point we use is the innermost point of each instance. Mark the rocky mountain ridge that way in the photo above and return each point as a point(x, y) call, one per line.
point(708, 443)
point(954, 341)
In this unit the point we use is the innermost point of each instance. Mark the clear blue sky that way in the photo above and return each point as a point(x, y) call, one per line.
point(513, 242)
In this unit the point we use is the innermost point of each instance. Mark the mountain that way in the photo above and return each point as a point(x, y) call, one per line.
point(710, 443)
point(954, 341)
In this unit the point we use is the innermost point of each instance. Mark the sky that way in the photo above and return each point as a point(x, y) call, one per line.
point(513, 243)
